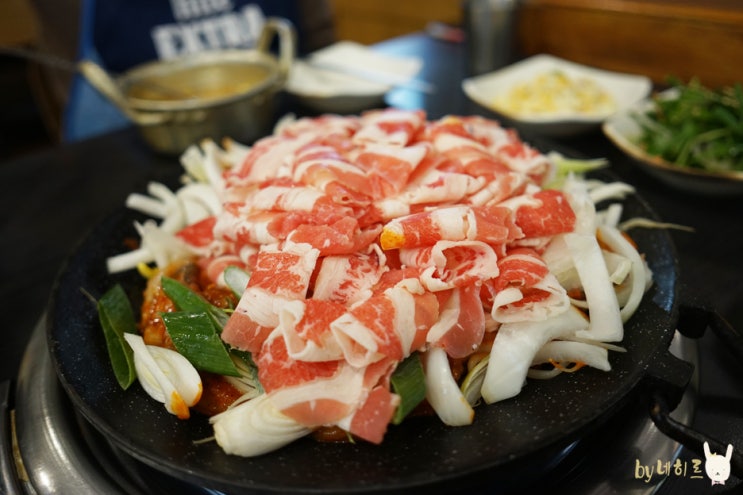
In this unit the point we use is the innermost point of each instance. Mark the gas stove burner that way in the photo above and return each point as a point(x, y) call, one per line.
point(62, 453)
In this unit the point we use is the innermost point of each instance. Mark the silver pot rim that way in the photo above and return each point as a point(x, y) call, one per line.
point(212, 59)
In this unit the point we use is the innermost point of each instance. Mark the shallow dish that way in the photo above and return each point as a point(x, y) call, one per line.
point(624, 89)
point(331, 91)
point(347, 77)
point(624, 131)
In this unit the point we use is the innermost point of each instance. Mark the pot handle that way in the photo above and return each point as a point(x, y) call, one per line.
point(275, 26)
point(689, 437)
point(695, 316)
point(108, 87)
point(10, 484)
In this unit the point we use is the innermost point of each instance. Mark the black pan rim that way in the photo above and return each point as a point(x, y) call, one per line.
point(397, 481)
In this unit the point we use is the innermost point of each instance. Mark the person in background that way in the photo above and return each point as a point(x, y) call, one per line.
point(119, 34)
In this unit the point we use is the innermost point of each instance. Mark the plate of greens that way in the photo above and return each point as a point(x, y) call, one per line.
point(689, 137)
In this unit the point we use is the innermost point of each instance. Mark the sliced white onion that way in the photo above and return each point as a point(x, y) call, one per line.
point(557, 258)
point(212, 165)
point(193, 212)
point(284, 121)
point(198, 201)
point(473, 382)
point(651, 224)
point(192, 160)
point(163, 245)
point(606, 321)
point(580, 202)
point(560, 262)
point(162, 192)
point(537, 374)
point(579, 303)
point(147, 205)
point(128, 260)
point(611, 190)
point(619, 266)
point(157, 246)
point(255, 427)
point(173, 218)
point(442, 390)
point(514, 348)
point(235, 278)
point(611, 215)
point(191, 203)
point(166, 376)
point(234, 151)
point(565, 351)
point(247, 382)
point(616, 242)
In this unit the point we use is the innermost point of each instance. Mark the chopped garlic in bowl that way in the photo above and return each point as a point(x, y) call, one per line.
point(554, 97)
point(556, 92)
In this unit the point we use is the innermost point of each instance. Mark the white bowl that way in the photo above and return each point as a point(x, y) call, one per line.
point(348, 77)
point(333, 91)
point(624, 89)
point(624, 131)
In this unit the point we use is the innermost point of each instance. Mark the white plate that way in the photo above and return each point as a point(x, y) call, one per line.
point(624, 131)
point(332, 91)
point(624, 89)
point(347, 77)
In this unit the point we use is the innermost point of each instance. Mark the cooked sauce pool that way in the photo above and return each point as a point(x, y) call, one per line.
point(205, 82)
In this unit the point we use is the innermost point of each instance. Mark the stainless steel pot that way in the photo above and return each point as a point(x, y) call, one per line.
point(213, 94)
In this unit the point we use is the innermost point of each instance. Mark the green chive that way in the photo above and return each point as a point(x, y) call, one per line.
point(187, 300)
point(409, 382)
point(195, 337)
point(116, 317)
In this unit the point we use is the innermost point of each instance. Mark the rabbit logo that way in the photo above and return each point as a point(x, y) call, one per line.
point(717, 466)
